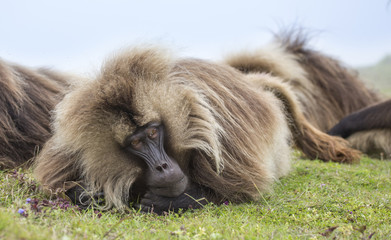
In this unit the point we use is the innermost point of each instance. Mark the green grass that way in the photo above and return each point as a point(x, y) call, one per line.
point(316, 201)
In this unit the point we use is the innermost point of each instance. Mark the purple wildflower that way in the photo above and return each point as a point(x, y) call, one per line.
point(28, 200)
point(226, 203)
point(22, 212)
point(98, 214)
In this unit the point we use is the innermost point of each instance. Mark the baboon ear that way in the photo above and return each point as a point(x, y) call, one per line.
point(56, 168)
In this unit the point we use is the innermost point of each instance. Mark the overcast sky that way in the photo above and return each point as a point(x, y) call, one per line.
point(77, 35)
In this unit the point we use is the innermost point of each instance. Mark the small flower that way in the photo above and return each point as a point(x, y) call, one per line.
point(98, 214)
point(322, 185)
point(28, 200)
point(226, 203)
point(22, 212)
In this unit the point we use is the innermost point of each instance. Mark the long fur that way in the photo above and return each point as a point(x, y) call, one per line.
point(326, 90)
point(26, 99)
point(227, 133)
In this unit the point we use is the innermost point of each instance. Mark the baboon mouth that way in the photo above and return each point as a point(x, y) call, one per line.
point(172, 189)
point(170, 184)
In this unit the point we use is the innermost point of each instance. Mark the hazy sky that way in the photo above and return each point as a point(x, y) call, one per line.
point(77, 35)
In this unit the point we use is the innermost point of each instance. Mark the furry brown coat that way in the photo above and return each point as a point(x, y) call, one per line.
point(326, 90)
point(229, 132)
point(26, 98)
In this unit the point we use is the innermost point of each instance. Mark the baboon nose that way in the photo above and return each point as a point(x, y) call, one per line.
point(162, 167)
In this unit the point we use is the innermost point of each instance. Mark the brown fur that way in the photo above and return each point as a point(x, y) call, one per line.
point(26, 99)
point(326, 90)
point(312, 142)
point(228, 131)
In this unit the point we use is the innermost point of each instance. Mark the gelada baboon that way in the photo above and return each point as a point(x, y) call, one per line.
point(26, 99)
point(326, 90)
point(374, 124)
point(177, 133)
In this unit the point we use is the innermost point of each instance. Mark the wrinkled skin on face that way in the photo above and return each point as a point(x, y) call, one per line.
point(163, 176)
point(168, 188)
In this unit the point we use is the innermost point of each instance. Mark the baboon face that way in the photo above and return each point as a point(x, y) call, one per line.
point(163, 176)
point(124, 132)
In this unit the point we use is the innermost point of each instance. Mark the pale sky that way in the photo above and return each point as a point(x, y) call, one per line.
point(77, 35)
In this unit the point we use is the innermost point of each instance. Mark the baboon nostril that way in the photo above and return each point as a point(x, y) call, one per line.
point(165, 166)
point(159, 168)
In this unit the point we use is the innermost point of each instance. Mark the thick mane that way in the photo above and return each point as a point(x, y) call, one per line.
point(212, 117)
point(236, 114)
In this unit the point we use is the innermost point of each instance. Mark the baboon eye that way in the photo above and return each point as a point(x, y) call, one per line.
point(135, 142)
point(152, 133)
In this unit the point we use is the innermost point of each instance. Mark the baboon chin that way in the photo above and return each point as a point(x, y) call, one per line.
point(176, 134)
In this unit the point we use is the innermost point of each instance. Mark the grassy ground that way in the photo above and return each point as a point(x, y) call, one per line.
point(316, 201)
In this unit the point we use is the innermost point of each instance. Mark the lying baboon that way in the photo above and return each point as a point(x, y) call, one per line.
point(176, 133)
point(326, 90)
point(373, 123)
point(26, 99)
